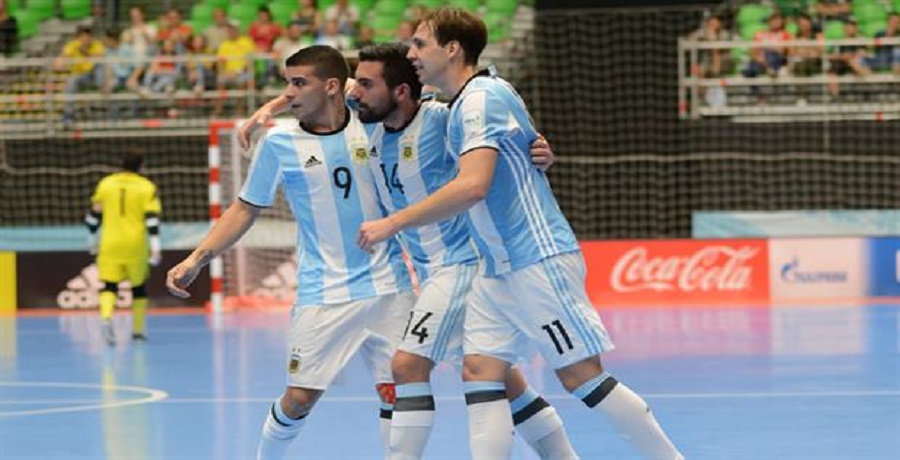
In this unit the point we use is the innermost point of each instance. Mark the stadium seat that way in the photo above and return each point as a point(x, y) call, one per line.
point(244, 14)
point(871, 28)
point(202, 12)
point(749, 30)
point(390, 8)
point(282, 11)
point(507, 7)
point(431, 4)
point(471, 5)
point(44, 9)
point(29, 23)
point(833, 30)
point(752, 14)
point(224, 4)
point(75, 9)
point(385, 25)
point(362, 5)
point(792, 28)
point(868, 12)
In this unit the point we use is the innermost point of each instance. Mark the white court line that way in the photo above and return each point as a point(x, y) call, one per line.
point(152, 396)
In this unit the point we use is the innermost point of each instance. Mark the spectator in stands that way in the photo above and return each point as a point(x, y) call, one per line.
point(198, 70)
point(714, 63)
point(346, 15)
point(404, 33)
point(264, 32)
point(294, 39)
point(162, 76)
point(829, 10)
point(217, 32)
point(886, 57)
point(122, 71)
point(847, 58)
point(176, 30)
point(143, 35)
point(9, 31)
point(770, 59)
point(806, 61)
point(331, 36)
point(365, 37)
point(81, 72)
point(234, 59)
point(308, 15)
point(415, 13)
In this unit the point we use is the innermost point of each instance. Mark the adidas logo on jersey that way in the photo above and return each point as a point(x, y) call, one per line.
point(312, 161)
point(373, 153)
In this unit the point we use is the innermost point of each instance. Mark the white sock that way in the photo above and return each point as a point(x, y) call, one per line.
point(277, 434)
point(630, 416)
point(539, 425)
point(490, 420)
point(412, 421)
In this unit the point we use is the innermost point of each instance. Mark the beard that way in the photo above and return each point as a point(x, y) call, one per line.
point(367, 114)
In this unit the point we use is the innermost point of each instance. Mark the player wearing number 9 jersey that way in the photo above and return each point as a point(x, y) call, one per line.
point(128, 207)
point(348, 300)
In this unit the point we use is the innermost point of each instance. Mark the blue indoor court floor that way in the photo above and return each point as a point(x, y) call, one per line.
point(813, 382)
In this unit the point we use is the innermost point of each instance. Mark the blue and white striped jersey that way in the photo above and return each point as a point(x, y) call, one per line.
point(409, 164)
point(331, 192)
point(519, 223)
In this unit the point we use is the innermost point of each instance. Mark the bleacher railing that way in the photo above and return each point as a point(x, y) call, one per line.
point(789, 98)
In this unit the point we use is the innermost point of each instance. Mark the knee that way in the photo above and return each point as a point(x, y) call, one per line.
point(484, 368)
point(408, 368)
point(577, 374)
point(297, 402)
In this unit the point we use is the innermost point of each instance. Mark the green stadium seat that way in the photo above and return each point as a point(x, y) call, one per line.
point(749, 14)
point(871, 28)
point(390, 8)
point(497, 25)
point(29, 23)
point(792, 28)
point(833, 30)
point(202, 12)
point(507, 7)
point(749, 30)
point(282, 12)
point(431, 4)
point(868, 12)
point(75, 9)
point(45, 9)
point(385, 25)
point(224, 4)
point(244, 14)
point(471, 5)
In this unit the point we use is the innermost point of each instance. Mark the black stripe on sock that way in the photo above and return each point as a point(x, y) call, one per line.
point(412, 403)
point(536, 406)
point(286, 425)
point(479, 397)
point(600, 392)
point(386, 414)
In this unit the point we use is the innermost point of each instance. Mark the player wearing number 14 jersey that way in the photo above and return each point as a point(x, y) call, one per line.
point(348, 300)
point(408, 159)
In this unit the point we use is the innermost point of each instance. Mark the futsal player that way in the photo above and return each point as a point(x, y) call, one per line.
point(406, 155)
point(531, 291)
point(127, 207)
point(348, 300)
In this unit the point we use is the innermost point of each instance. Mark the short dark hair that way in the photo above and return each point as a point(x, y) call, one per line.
point(132, 161)
point(457, 24)
point(327, 62)
point(396, 68)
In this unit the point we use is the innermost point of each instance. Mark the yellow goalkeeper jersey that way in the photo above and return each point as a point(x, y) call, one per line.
point(127, 198)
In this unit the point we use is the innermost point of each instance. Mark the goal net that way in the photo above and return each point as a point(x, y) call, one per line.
point(260, 270)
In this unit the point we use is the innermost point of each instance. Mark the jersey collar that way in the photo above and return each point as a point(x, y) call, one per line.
point(405, 125)
point(482, 73)
point(329, 133)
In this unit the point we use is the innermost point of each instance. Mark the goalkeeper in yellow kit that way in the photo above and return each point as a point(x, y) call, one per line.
point(126, 205)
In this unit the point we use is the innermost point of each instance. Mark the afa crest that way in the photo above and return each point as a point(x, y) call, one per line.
point(407, 153)
point(359, 154)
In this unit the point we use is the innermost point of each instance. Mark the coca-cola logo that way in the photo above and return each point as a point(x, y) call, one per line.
point(712, 268)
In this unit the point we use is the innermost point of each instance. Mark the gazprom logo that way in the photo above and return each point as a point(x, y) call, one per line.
point(791, 272)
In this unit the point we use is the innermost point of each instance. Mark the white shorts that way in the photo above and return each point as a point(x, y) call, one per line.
point(435, 325)
point(544, 305)
point(323, 338)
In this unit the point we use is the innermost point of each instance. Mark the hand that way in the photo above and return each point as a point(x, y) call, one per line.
point(260, 118)
point(155, 258)
point(374, 232)
point(541, 154)
point(92, 244)
point(180, 277)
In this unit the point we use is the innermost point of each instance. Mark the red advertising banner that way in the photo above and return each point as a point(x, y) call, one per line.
point(677, 272)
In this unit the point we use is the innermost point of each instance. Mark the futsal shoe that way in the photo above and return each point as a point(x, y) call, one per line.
point(139, 336)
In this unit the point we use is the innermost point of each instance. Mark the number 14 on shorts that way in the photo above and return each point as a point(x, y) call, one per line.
point(418, 330)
